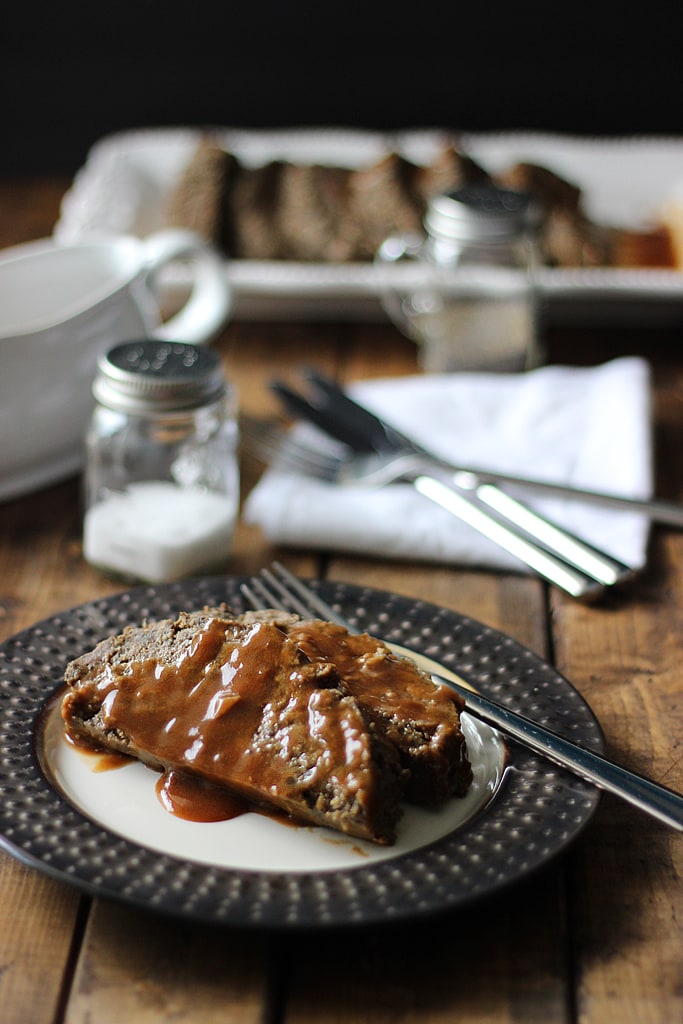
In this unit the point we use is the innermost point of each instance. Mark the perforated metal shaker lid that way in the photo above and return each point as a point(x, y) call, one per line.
point(158, 376)
point(480, 212)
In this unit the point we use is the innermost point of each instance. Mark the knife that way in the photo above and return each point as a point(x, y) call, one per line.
point(375, 434)
point(535, 540)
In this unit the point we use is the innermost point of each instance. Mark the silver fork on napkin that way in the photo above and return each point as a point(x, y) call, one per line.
point(280, 589)
point(332, 409)
point(555, 554)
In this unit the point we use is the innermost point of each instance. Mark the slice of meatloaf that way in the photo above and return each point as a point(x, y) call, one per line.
point(418, 717)
point(197, 201)
point(239, 704)
point(330, 727)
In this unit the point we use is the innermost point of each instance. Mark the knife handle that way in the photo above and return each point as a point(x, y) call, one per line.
point(598, 564)
point(550, 567)
point(664, 804)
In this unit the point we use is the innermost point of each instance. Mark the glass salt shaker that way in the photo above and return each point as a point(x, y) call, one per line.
point(162, 472)
point(466, 292)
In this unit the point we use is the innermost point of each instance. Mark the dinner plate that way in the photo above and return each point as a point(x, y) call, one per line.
point(105, 832)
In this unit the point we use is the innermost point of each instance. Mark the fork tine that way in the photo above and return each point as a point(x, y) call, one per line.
point(313, 601)
point(258, 597)
point(273, 596)
point(273, 444)
point(268, 591)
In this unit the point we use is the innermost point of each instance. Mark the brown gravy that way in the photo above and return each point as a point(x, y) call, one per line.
point(180, 793)
point(193, 799)
point(101, 760)
point(366, 668)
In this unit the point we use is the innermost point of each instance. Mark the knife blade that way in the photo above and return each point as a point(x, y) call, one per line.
point(330, 422)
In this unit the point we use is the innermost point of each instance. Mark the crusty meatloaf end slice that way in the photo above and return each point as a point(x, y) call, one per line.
point(238, 703)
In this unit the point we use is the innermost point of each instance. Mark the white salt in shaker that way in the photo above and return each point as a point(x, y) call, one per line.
point(162, 473)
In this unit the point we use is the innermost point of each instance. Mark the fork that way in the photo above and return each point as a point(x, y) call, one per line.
point(278, 588)
point(554, 553)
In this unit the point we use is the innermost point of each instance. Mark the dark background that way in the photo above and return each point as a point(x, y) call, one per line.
point(71, 73)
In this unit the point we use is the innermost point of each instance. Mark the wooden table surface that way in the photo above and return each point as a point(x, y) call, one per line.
point(595, 936)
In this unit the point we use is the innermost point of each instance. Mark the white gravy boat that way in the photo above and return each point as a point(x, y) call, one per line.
point(61, 307)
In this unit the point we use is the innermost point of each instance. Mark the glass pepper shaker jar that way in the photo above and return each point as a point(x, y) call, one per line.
point(466, 291)
point(162, 472)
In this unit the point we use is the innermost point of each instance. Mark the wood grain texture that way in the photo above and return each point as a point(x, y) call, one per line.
point(143, 969)
point(38, 922)
point(626, 908)
point(501, 961)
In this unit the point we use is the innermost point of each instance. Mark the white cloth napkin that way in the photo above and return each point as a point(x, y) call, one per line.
point(588, 427)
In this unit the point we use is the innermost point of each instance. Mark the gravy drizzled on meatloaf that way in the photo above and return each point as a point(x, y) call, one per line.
point(302, 716)
point(420, 719)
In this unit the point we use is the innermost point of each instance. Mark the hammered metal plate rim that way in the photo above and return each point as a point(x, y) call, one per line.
point(537, 812)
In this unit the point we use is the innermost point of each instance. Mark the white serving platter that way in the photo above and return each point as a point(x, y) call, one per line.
point(127, 177)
